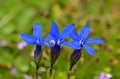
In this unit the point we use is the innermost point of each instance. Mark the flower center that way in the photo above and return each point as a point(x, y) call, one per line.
point(39, 41)
point(82, 41)
point(52, 41)
point(58, 42)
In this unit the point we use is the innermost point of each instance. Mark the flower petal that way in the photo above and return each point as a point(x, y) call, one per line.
point(89, 49)
point(49, 44)
point(67, 30)
point(94, 40)
point(72, 44)
point(54, 31)
point(27, 38)
point(47, 38)
point(37, 30)
point(85, 32)
point(48, 41)
point(54, 37)
point(74, 35)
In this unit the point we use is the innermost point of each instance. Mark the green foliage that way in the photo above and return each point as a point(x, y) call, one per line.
point(18, 16)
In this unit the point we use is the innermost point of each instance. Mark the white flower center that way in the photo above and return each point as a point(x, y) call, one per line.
point(58, 42)
point(52, 41)
point(81, 42)
point(39, 41)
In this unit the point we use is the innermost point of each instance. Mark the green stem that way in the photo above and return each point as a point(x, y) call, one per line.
point(37, 66)
point(68, 76)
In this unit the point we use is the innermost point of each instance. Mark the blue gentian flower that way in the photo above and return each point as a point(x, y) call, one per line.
point(80, 41)
point(37, 36)
point(58, 40)
point(37, 40)
point(59, 37)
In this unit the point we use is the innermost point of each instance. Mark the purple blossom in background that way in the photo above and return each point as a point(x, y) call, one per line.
point(3, 43)
point(32, 53)
point(105, 76)
point(27, 77)
point(13, 70)
point(21, 45)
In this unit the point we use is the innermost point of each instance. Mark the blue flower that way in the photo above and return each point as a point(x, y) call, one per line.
point(37, 40)
point(58, 39)
point(37, 36)
point(81, 40)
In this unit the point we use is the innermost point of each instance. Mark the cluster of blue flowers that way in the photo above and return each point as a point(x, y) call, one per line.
point(58, 39)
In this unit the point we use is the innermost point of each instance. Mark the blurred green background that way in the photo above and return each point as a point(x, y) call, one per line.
point(18, 16)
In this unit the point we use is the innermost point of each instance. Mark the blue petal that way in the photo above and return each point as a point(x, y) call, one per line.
point(49, 44)
point(54, 31)
point(94, 40)
point(40, 43)
point(66, 31)
point(27, 38)
point(54, 37)
point(47, 38)
point(89, 49)
point(72, 44)
point(85, 32)
point(74, 35)
point(37, 31)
